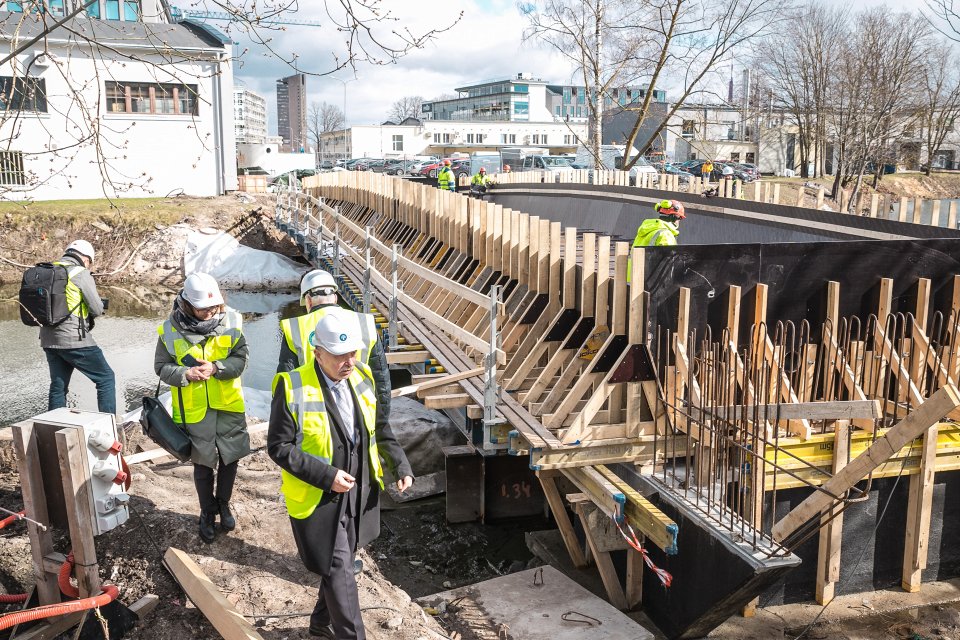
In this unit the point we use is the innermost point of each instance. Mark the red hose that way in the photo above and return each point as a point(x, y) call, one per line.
point(11, 519)
point(12, 598)
point(110, 593)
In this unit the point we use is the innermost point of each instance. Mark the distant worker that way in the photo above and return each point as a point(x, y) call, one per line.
point(66, 340)
point(479, 182)
point(318, 293)
point(445, 178)
point(201, 353)
point(706, 170)
point(662, 231)
point(506, 168)
point(324, 436)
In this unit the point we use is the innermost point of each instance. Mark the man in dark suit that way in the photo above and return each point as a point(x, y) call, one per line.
point(324, 435)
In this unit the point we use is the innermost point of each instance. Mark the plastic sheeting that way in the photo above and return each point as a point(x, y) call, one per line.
point(238, 267)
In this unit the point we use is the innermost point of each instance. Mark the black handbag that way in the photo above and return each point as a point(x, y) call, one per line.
point(161, 428)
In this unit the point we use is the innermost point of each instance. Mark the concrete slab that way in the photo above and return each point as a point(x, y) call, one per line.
point(535, 611)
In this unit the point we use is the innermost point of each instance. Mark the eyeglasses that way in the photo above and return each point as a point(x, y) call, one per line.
point(206, 314)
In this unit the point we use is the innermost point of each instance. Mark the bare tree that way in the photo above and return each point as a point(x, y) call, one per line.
point(406, 107)
point(322, 117)
point(599, 37)
point(942, 91)
point(689, 39)
point(796, 66)
point(360, 32)
point(877, 79)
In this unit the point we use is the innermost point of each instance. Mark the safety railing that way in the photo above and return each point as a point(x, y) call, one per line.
point(319, 226)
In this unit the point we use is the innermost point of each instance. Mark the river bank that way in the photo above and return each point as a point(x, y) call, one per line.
point(138, 241)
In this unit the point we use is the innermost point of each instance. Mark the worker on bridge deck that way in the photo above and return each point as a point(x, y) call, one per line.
point(318, 293)
point(446, 180)
point(479, 182)
point(659, 232)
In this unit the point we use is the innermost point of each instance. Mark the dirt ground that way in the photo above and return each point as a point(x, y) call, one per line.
point(939, 185)
point(256, 566)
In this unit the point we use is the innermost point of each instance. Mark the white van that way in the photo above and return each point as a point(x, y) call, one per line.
point(612, 157)
point(534, 159)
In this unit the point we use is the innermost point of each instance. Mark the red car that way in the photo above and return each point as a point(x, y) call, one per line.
point(459, 166)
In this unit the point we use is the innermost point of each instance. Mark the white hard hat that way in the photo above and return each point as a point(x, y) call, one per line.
point(338, 332)
point(316, 279)
point(202, 291)
point(82, 247)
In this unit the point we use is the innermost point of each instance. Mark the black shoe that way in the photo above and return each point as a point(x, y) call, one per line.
point(207, 530)
point(227, 521)
point(321, 631)
point(357, 566)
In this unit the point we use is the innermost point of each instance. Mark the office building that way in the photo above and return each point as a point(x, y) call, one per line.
point(292, 112)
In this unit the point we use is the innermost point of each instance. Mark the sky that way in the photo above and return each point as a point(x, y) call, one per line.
point(486, 43)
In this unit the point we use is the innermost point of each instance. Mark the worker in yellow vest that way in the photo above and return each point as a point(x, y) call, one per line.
point(201, 353)
point(446, 180)
point(318, 294)
point(324, 435)
point(661, 231)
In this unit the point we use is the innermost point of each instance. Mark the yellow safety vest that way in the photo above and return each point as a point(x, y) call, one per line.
point(225, 395)
point(297, 332)
point(446, 179)
point(75, 302)
point(653, 232)
point(304, 397)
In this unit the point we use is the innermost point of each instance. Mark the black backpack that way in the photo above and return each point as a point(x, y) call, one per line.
point(43, 295)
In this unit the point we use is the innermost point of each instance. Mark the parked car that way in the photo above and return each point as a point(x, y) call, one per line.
point(750, 169)
point(326, 164)
point(672, 169)
point(369, 164)
point(401, 168)
point(612, 157)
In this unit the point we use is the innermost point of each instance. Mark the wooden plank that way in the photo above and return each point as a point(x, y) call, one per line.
point(222, 615)
point(608, 573)
point(919, 505)
point(836, 410)
point(71, 454)
point(644, 515)
point(435, 382)
point(35, 504)
point(828, 556)
point(634, 579)
point(407, 357)
point(567, 533)
point(449, 401)
point(145, 605)
point(929, 413)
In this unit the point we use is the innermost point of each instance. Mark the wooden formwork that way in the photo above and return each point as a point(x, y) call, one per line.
point(584, 387)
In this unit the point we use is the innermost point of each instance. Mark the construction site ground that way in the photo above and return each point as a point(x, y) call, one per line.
point(418, 553)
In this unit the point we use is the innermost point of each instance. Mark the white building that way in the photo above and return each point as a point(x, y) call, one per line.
point(445, 137)
point(115, 105)
point(249, 116)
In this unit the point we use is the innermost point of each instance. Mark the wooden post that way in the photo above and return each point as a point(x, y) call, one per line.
point(902, 210)
point(917, 209)
point(844, 200)
point(35, 504)
point(935, 214)
point(874, 205)
point(828, 557)
point(76, 491)
point(776, 193)
point(567, 533)
point(820, 195)
point(952, 216)
point(801, 195)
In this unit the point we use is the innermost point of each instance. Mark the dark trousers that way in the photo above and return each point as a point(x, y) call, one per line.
point(203, 478)
point(91, 363)
point(338, 602)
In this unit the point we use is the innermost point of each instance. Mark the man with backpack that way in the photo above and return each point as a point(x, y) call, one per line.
point(62, 298)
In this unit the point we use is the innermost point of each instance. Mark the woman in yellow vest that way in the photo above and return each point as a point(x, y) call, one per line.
point(201, 353)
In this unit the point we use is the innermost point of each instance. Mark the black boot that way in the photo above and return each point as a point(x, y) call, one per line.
point(227, 521)
point(207, 530)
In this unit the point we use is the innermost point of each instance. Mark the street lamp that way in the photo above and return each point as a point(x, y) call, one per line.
point(344, 83)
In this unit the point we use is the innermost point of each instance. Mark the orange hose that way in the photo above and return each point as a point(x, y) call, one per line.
point(110, 593)
point(11, 519)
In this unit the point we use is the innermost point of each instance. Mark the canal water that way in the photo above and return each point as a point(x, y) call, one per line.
point(128, 337)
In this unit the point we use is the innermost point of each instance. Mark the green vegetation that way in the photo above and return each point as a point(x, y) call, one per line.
point(133, 214)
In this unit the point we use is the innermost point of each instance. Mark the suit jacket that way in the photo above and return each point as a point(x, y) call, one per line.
point(315, 535)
